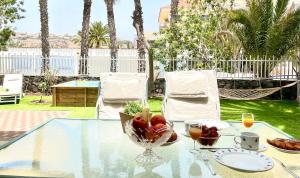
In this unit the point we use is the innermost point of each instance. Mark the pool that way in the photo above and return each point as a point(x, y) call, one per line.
point(76, 93)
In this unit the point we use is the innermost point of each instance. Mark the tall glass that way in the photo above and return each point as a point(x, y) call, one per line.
point(248, 119)
point(195, 131)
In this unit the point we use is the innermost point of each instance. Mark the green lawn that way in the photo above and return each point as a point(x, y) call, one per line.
point(284, 115)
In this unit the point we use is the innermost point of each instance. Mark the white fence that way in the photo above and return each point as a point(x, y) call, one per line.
point(242, 69)
point(66, 62)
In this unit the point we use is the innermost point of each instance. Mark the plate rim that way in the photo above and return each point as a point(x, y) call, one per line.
point(241, 169)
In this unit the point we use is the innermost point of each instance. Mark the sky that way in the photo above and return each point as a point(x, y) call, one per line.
point(65, 16)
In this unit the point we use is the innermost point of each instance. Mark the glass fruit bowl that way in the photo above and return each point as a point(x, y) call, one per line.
point(148, 137)
point(208, 141)
point(209, 136)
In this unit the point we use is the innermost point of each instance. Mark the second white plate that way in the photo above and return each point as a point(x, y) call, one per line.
point(244, 160)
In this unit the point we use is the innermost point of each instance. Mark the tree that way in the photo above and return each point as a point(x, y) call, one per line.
point(174, 10)
point(112, 33)
point(44, 34)
point(265, 28)
point(10, 11)
point(139, 26)
point(85, 36)
point(98, 34)
point(193, 35)
point(5, 35)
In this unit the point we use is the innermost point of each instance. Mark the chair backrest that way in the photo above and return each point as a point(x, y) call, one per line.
point(124, 85)
point(191, 95)
point(14, 83)
point(117, 89)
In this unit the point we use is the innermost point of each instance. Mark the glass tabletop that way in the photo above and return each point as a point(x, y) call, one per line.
point(98, 148)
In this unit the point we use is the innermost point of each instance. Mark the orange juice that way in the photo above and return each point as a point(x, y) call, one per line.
point(248, 122)
point(195, 133)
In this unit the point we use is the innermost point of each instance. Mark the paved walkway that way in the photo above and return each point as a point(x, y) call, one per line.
point(14, 123)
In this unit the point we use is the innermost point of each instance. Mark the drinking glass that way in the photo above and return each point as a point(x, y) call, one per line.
point(248, 119)
point(195, 131)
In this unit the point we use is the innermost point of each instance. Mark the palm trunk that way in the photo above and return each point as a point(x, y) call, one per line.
point(44, 35)
point(84, 36)
point(174, 11)
point(138, 25)
point(298, 81)
point(112, 34)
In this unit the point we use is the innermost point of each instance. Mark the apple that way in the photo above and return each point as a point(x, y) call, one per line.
point(158, 119)
point(140, 126)
point(159, 128)
point(139, 123)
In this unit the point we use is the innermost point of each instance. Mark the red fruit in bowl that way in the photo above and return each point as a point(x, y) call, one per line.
point(158, 119)
point(214, 134)
point(159, 128)
point(139, 123)
point(204, 135)
point(204, 129)
point(213, 129)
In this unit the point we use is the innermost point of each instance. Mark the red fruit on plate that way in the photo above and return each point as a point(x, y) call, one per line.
point(139, 123)
point(158, 119)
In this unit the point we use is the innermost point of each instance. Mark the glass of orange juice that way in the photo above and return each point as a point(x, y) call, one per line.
point(248, 119)
point(195, 131)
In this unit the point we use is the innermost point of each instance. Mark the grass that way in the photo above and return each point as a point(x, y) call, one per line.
point(284, 115)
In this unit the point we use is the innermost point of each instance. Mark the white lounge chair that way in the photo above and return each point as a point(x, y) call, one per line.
point(116, 90)
point(11, 91)
point(191, 95)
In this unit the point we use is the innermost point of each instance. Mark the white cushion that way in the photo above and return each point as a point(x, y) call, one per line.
point(120, 91)
point(186, 83)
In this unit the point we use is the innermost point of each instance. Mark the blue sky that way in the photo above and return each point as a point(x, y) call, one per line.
point(65, 16)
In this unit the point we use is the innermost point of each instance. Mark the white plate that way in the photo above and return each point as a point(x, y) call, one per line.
point(286, 151)
point(212, 122)
point(244, 160)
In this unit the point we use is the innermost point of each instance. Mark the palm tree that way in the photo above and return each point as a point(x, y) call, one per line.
point(44, 34)
point(174, 10)
point(266, 29)
point(84, 36)
point(138, 25)
point(98, 34)
point(112, 33)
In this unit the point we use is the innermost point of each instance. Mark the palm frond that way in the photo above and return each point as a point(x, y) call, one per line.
point(280, 9)
point(285, 33)
point(263, 23)
point(242, 24)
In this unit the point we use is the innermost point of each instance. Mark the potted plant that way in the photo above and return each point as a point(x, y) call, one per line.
point(130, 110)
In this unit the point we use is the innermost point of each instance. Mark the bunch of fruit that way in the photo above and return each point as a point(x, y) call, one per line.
point(149, 128)
point(209, 135)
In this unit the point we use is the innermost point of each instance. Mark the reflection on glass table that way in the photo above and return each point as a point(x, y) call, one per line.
point(97, 148)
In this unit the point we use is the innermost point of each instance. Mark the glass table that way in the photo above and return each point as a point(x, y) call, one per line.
point(98, 148)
